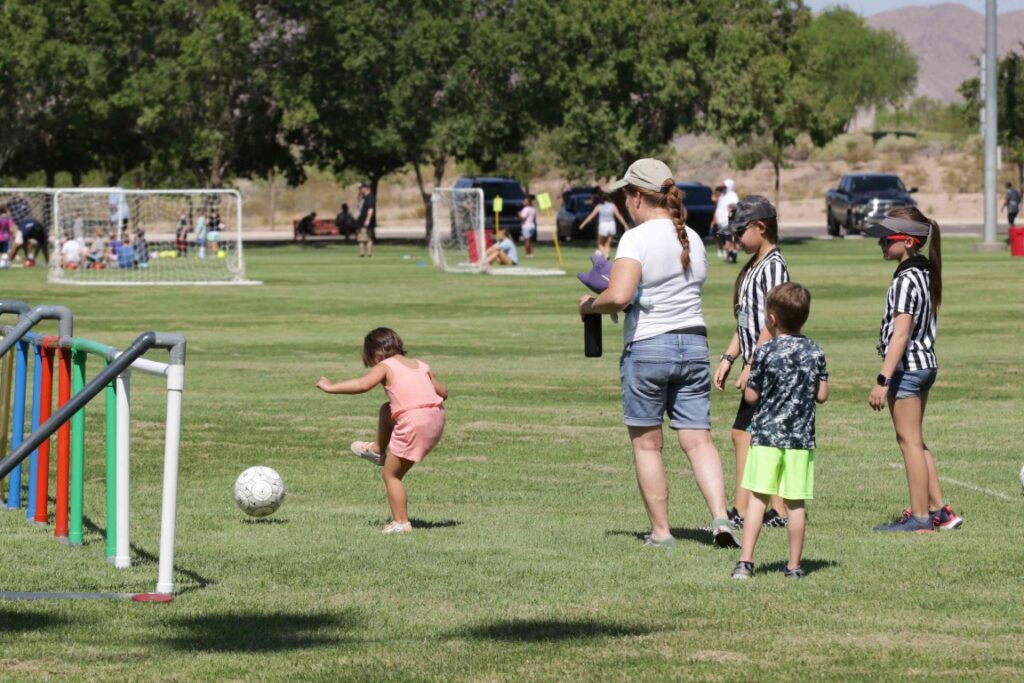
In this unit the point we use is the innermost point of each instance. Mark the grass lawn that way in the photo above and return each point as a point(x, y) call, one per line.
point(527, 563)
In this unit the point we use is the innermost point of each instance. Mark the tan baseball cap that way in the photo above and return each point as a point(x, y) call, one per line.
point(650, 174)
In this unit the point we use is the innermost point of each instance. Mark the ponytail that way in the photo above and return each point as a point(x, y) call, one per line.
point(934, 251)
point(674, 205)
point(935, 266)
point(671, 200)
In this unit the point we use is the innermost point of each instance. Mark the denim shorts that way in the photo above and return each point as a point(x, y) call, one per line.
point(912, 383)
point(669, 374)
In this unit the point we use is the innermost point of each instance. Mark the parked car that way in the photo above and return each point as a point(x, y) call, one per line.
point(577, 203)
point(699, 207)
point(512, 196)
point(863, 198)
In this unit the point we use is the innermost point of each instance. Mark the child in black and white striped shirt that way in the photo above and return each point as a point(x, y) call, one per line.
point(907, 346)
point(754, 224)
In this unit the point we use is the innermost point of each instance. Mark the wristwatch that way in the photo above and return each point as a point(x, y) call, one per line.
point(728, 357)
point(882, 380)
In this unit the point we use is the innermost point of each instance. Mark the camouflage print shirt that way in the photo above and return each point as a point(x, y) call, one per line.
point(786, 371)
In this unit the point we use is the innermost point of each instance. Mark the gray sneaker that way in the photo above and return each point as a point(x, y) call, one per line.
point(724, 533)
point(797, 573)
point(668, 543)
point(909, 523)
point(743, 571)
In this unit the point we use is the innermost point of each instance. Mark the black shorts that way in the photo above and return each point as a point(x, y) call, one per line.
point(36, 234)
point(1012, 215)
point(744, 415)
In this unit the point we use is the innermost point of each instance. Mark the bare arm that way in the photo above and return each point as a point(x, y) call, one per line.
point(588, 218)
point(725, 365)
point(822, 391)
point(751, 396)
point(897, 346)
point(622, 286)
point(439, 387)
point(359, 385)
point(619, 216)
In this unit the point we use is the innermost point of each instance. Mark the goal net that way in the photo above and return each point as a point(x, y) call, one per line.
point(459, 241)
point(146, 237)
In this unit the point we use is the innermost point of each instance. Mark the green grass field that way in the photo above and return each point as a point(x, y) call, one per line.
point(526, 564)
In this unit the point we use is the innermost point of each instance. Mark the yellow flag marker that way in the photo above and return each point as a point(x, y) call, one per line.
point(498, 203)
point(544, 202)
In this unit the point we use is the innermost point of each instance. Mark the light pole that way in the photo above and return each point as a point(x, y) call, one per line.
point(991, 129)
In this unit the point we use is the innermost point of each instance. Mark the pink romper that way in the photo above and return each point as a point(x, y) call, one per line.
point(418, 411)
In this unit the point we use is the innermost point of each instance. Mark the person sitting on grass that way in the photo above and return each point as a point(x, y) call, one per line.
point(504, 252)
point(71, 252)
point(410, 423)
point(788, 376)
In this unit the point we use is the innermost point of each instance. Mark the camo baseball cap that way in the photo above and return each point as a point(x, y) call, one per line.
point(751, 208)
point(649, 174)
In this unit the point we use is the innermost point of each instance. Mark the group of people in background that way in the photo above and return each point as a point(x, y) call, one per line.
point(363, 226)
point(20, 230)
point(782, 373)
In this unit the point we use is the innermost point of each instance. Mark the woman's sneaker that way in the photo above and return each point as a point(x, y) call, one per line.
point(910, 523)
point(668, 543)
point(724, 534)
point(743, 571)
point(397, 528)
point(947, 519)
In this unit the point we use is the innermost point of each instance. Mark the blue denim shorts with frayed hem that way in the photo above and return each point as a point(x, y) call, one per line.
point(912, 383)
point(668, 374)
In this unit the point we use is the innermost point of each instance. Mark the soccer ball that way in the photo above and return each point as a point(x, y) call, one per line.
point(259, 491)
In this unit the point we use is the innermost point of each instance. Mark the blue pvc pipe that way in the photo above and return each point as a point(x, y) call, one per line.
point(18, 417)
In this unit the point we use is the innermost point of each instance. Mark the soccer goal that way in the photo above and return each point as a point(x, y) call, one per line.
point(459, 241)
point(147, 237)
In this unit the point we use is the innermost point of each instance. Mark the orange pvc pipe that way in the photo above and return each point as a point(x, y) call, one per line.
point(43, 454)
point(63, 447)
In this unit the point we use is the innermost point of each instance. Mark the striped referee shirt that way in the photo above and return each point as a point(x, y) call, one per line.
point(750, 316)
point(909, 293)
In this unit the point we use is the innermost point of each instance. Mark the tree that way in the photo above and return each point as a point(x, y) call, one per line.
point(1009, 98)
point(801, 74)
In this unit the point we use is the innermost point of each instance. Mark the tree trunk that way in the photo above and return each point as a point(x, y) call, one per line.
point(51, 177)
point(428, 215)
point(777, 166)
point(1020, 174)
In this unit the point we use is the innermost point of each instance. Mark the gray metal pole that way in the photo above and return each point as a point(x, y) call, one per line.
point(991, 126)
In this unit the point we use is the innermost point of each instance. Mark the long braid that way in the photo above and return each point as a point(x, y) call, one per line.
point(673, 202)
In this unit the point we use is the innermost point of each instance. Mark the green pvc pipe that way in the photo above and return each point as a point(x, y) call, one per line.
point(77, 483)
point(81, 347)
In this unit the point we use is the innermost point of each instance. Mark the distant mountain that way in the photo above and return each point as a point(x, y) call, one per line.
point(947, 40)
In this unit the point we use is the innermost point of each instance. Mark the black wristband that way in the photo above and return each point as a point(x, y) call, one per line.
point(728, 357)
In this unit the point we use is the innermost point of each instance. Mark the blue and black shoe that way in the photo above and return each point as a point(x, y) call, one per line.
point(909, 523)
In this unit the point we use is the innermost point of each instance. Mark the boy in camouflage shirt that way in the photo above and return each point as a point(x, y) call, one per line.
point(788, 377)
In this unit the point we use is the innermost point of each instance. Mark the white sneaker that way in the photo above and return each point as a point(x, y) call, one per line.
point(364, 450)
point(397, 528)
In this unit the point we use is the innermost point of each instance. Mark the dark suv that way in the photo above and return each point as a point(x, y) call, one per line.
point(699, 208)
point(577, 203)
point(512, 196)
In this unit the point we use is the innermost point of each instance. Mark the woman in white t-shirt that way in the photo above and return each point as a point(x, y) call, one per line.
point(664, 366)
point(606, 213)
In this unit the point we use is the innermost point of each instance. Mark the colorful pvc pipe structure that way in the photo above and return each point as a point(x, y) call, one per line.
point(69, 422)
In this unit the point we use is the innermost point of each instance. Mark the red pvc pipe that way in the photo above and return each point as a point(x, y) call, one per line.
point(63, 446)
point(43, 458)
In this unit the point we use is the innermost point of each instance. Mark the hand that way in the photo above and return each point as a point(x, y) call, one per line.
point(323, 383)
point(585, 305)
point(741, 381)
point(878, 396)
point(722, 373)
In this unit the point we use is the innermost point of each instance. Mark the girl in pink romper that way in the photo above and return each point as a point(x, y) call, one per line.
point(409, 425)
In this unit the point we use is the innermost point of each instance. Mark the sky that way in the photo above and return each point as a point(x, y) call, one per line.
point(869, 7)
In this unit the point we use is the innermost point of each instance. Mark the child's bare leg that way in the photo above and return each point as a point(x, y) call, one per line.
point(906, 418)
point(650, 477)
point(935, 500)
point(741, 442)
point(797, 526)
point(385, 425)
point(707, 468)
point(753, 516)
point(394, 469)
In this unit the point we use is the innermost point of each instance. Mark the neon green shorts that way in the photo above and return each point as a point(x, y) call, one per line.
point(786, 472)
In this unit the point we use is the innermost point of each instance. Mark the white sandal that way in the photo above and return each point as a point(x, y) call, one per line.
point(397, 528)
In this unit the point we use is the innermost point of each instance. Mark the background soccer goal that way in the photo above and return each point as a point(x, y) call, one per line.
point(458, 243)
point(151, 236)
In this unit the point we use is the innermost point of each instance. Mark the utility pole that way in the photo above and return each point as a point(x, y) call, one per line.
point(990, 83)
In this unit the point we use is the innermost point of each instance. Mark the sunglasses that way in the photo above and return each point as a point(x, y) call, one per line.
point(889, 239)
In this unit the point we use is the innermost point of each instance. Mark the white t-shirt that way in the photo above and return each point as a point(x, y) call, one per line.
point(725, 202)
point(71, 251)
point(606, 213)
point(674, 295)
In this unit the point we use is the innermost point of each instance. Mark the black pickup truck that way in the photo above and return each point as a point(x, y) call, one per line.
point(863, 198)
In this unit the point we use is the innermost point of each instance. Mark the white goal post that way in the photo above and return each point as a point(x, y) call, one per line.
point(458, 242)
point(147, 237)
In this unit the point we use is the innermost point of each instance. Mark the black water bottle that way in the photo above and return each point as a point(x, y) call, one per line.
point(592, 336)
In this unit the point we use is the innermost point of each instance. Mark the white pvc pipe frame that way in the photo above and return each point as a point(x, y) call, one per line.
point(55, 232)
point(172, 440)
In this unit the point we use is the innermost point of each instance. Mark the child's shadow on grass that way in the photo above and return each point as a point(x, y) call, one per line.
point(533, 630)
point(695, 535)
point(420, 523)
point(809, 566)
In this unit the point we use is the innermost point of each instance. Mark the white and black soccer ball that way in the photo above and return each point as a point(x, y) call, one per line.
point(259, 491)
